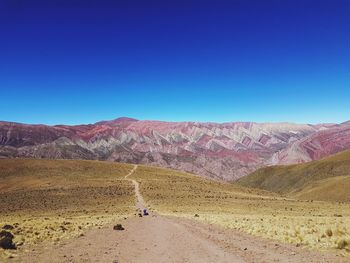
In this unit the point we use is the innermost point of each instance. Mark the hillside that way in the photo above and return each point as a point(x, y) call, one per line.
point(221, 151)
point(334, 189)
point(46, 194)
point(325, 142)
point(325, 179)
point(50, 201)
point(253, 211)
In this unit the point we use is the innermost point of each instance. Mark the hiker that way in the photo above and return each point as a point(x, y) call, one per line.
point(145, 212)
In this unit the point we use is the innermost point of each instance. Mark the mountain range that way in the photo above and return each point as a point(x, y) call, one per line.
point(221, 151)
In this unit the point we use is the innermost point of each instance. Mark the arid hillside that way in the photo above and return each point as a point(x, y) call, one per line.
point(52, 200)
point(316, 225)
point(49, 202)
point(220, 151)
point(326, 179)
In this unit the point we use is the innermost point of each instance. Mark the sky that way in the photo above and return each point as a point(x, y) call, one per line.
point(80, 61)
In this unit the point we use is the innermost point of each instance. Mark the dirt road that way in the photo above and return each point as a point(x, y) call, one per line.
point(156, 238)
point(140, 204)
point(131, 172)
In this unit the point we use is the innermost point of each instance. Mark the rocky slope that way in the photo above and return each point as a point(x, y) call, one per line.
point(224, 151)
point(325, 142)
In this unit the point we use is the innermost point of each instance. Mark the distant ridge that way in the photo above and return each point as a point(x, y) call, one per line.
point(221, 151)
point(116, 122)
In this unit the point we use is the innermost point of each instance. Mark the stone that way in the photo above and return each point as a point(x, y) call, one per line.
point(118, 227)
point(6, 240)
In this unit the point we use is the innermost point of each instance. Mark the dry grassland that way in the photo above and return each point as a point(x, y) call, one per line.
point(316, 225)
point(47, 201)
point(326, 174)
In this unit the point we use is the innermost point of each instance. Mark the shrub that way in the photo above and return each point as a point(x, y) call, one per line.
point(342, 244)
point(329, 232)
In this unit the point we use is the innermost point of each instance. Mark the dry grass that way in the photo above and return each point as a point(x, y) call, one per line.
point(253, 211)
point(291, 179)
point(332, 189)
point(47, 201)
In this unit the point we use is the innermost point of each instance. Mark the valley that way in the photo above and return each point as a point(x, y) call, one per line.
point(68, 208)
point(257, 212)
point(174, 131)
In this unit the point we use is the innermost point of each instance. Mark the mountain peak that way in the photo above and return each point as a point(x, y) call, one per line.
point(117, 122)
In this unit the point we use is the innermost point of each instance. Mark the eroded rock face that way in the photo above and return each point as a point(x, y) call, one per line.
point(318, 145)
point(224, 151)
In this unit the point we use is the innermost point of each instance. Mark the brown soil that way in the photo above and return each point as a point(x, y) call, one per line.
point(167, 239)
point(157, 238)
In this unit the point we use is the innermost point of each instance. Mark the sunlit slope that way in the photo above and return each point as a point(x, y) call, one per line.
point(55, 199)
point(334, 189)
point(29, 174)
point(304, 177)
point(52, 200)
point(253, 211)
point(170, 190)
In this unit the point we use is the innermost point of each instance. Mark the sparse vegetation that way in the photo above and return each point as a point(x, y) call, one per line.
point(343, 243)
point(79, 195)
point(254, 211)
point(324, 180)
point(329, 232)
point(46, 200)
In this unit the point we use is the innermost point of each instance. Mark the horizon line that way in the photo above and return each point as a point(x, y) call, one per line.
point(169, 121)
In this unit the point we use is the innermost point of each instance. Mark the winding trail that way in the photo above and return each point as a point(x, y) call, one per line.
point(140, 203)
point(131, 172)
point(157, 238)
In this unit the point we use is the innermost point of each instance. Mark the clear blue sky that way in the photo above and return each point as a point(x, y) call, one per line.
point(83, 61)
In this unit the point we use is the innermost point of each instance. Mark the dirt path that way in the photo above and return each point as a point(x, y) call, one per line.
point(158, 238)
point(131, 172)
point(167, 239)
point(140, 203)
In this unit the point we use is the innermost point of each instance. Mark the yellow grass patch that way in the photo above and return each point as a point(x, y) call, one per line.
point(253, 211)
point(47, 201)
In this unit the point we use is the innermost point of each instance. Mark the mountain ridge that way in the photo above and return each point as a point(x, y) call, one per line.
point(222, 151)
